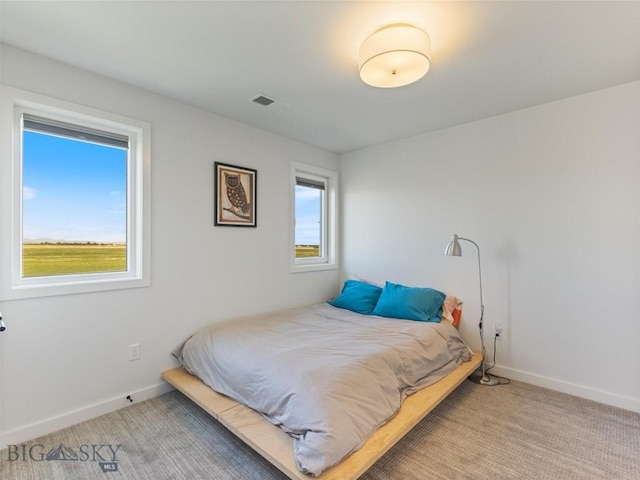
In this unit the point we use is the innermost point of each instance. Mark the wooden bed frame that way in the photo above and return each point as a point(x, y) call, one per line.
point(277, 447)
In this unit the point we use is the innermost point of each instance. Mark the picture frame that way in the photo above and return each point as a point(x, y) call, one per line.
point(235, 195)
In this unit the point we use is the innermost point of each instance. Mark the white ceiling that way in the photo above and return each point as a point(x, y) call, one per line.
point(487, 57)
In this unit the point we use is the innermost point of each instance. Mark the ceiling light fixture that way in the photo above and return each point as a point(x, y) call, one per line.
point(394, 56)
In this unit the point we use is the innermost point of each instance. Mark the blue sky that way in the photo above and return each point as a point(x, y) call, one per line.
point(307, 216)
point(73, 190)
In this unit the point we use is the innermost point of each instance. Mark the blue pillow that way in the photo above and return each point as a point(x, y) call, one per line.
point(410, 303)
point(359, 297)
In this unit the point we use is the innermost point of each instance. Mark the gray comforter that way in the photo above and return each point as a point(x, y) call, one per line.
point(327, 376)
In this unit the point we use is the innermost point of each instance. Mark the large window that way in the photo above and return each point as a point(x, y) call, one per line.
point(76, 184)
point(314, 192)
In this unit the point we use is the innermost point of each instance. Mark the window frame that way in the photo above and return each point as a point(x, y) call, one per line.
point(15, 104)
point(328, 260)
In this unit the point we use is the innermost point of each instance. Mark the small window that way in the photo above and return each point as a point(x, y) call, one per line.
point(314, 218)
point(78, 183)
point(310, 212)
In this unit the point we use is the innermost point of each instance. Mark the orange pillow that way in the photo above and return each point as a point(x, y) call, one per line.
point(457, 313)
point(452, 310)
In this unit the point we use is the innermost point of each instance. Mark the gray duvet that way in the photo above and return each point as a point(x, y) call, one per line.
point(327, 376)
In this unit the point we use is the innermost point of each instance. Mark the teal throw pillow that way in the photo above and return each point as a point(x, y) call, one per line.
point(359, 297)
point(410, 303)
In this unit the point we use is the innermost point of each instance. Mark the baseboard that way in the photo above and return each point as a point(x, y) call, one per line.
point(35, 430)
point(627, 403)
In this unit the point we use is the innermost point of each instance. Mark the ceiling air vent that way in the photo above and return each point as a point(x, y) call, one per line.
point(269, 103)
point(262, 100)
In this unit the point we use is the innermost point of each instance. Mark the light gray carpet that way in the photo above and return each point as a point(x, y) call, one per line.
point(514, 431)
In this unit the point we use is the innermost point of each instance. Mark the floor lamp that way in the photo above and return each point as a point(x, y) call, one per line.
point(455, 250)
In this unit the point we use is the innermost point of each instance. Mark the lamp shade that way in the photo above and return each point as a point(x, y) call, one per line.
point(394, 56)
point(453, 249)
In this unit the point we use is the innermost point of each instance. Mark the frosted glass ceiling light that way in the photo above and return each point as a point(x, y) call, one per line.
point(394, 56)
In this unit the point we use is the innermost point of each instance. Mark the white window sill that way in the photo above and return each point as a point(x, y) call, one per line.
point(312, 267)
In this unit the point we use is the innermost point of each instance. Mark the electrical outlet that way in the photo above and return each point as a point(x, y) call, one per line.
point(134, 352)
point(499, 332)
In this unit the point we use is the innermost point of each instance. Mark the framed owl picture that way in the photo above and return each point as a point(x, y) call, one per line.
point(235, 190)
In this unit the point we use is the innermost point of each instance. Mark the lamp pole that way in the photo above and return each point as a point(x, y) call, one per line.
point(454, 249)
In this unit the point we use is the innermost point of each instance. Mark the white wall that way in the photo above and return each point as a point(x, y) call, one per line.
point(63, 359)
point(551, 196)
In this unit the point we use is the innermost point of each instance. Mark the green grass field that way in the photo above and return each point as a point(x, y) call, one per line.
point(307, 251)
point(44, 260)
point(50, 259)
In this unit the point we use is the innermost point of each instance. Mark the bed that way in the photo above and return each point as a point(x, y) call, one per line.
point(320, 390)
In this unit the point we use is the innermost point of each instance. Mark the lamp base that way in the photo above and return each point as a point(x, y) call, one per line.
point(487, 380)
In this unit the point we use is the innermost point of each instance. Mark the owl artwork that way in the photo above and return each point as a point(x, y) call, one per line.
point(240, 207)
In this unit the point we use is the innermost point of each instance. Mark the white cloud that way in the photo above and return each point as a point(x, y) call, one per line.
point(28, 193)
point(303, 193)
